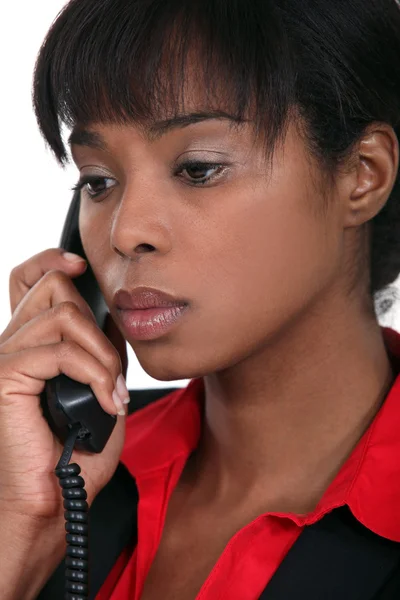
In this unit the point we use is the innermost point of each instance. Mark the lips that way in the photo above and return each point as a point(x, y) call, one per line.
point(147, 313)
point(141, 298)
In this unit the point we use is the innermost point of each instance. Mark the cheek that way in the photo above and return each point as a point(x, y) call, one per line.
point(94, 230)
point(262, 264)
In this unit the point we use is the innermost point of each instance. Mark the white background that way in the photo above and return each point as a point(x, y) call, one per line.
point(35, 191)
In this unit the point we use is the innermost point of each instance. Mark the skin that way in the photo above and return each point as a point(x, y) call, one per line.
point(294, 365)
point(52, 331)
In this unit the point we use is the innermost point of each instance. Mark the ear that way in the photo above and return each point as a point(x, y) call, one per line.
point(376, 163)
point(116, 338)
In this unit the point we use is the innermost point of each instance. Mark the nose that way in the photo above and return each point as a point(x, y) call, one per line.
point(140, 224)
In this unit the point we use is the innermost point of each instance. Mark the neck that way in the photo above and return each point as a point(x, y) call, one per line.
point(280, 424)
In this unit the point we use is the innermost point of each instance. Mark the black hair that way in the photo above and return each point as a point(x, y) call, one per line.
point(336, 64)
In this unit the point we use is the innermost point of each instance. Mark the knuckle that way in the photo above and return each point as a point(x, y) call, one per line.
point(66, 349)
point(15, 273)
point(104, 380)
point(55, 277)
point(67, 310)
point(113, 361)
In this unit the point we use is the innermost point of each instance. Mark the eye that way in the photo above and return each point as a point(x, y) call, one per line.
point(93, 183)
point(197, 171)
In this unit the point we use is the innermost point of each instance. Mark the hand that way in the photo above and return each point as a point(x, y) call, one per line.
point(52, 331)
point(118, 341)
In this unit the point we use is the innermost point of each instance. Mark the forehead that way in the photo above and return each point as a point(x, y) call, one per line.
point(154, 130)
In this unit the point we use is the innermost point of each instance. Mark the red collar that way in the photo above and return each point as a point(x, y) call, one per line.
point(368, 482)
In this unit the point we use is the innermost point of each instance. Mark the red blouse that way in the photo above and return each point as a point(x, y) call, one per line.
point(159, 440)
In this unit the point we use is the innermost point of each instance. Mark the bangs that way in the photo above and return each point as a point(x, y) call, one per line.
point(113, 61)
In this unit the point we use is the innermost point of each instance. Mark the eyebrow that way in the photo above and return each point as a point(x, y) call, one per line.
point(92, 139)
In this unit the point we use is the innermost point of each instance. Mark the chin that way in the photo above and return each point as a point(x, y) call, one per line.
point(173, 366)
point(171, 372)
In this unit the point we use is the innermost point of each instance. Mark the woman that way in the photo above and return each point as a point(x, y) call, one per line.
point(241, 157)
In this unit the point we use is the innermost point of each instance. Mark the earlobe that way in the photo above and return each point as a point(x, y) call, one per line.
point(376, 171)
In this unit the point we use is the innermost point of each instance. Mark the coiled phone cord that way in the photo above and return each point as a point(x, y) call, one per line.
point(76, 522)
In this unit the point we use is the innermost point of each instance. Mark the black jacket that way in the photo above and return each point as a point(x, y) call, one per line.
point(336, 558)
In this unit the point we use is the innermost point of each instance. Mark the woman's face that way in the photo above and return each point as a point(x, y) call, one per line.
point(249, 250)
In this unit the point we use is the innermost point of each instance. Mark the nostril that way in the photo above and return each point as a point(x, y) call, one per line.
point(142, 248)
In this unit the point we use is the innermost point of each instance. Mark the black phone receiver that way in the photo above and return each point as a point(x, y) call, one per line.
point(67, 403)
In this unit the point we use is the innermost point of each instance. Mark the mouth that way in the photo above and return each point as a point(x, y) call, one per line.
point(150, 323)
point(148, 313)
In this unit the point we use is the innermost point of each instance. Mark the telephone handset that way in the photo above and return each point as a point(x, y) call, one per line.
point(66, 402)
point(78, 420)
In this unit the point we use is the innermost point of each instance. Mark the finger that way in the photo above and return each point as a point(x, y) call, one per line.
point(65, 322)
point(53, 288)
point(117, 339)
point(24, 276)
point(24, 373)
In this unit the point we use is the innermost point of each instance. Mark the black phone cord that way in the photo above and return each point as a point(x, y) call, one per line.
point(76, 522)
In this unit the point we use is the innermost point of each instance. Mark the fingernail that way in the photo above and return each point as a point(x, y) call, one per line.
point(70, 257)
point(122, 389)
point(118, 403)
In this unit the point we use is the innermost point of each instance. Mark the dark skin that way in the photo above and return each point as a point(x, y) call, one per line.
point(294, 365)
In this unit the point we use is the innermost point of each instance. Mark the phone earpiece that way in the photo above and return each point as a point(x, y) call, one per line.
point(65, 402)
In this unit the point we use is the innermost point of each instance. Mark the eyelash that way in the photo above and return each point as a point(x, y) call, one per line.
point(88, 179)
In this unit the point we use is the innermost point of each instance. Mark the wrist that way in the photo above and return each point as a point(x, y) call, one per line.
point(30, 551)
